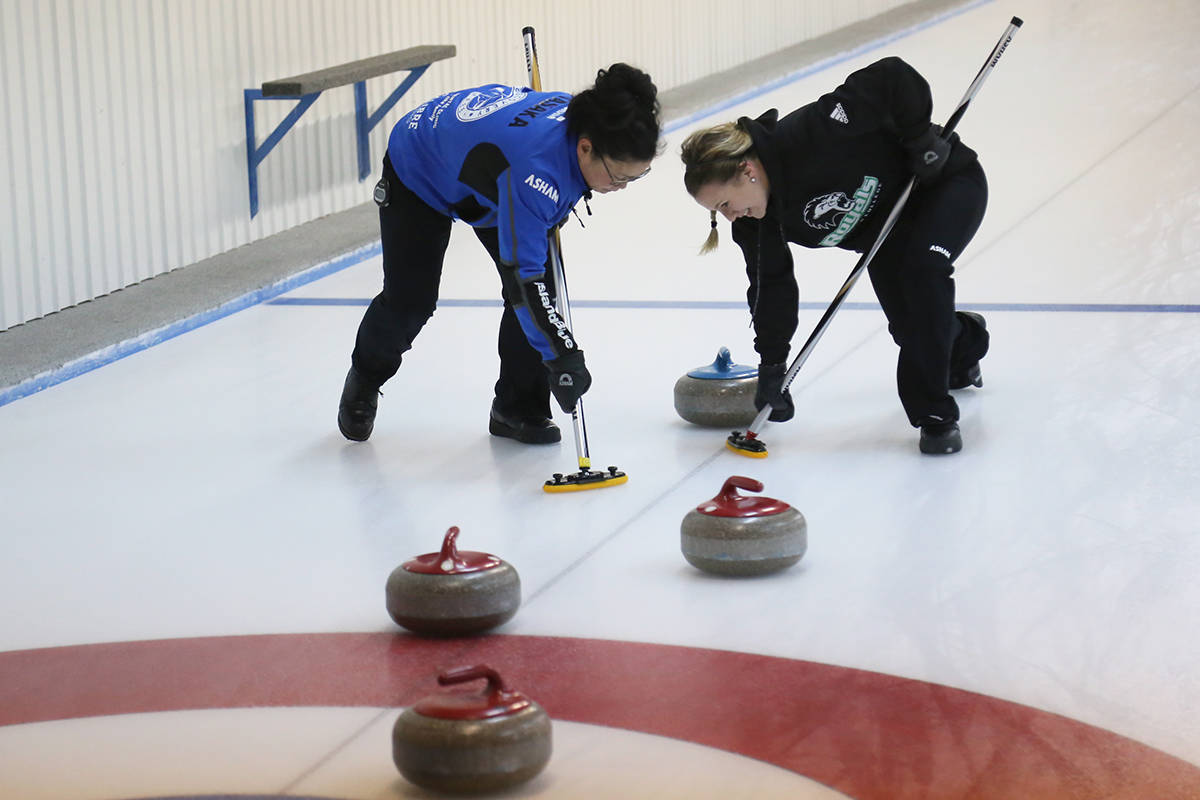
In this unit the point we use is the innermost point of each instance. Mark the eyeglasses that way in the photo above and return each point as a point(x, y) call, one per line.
point(615, 181)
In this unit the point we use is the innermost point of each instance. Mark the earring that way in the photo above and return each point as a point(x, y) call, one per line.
point(753, 179)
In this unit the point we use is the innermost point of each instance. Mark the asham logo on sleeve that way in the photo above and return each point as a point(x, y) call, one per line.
point(544, 186)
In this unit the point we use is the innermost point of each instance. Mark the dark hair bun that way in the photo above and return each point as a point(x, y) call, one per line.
point(619, 113)
point(622, 78)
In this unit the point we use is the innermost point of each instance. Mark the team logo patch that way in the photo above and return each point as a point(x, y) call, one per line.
point(481, 103)
point(826, 211)
point(839, 213)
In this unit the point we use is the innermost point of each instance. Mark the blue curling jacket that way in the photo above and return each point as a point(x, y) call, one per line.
point(499, 157)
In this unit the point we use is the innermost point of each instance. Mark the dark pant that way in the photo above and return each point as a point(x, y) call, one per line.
point(913, 278)
point(414, 240)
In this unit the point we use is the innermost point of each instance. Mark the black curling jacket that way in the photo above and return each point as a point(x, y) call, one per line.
point(836, 167)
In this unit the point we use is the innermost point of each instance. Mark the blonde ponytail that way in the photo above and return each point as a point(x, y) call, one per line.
point(714, 155)
point(711, 242)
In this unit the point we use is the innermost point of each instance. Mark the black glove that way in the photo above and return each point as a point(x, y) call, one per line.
point(770, 392)
point(927, 154)
point(569, 379)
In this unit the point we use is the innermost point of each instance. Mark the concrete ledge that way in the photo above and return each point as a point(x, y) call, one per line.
point(44, 345)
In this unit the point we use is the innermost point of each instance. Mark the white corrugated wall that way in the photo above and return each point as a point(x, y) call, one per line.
point(124, 142)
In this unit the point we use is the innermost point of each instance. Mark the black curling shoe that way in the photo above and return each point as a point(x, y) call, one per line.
point(530, 430)
point(356, 412)
point(940, 439)
point(971, 376)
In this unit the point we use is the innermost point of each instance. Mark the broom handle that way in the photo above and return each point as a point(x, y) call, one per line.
point(562, 301)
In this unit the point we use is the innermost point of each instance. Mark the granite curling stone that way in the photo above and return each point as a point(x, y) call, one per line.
point(472, 742)
point(733, 534)
point(718, 395)
point(452, 593)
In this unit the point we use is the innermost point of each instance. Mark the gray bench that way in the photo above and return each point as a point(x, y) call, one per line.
point(307, 88)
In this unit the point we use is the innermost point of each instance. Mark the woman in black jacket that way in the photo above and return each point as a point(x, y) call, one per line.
point(826, 175)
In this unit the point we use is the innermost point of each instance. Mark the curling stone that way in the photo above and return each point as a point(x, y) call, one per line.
point(733, 534)
point(472, 742)
point(453, 593)
point(718, 395)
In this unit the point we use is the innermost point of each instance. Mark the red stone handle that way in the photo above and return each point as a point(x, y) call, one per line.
point(450, 547)
point(729, 490)
point(450, 561)
point(463, 674)
point(728, 503)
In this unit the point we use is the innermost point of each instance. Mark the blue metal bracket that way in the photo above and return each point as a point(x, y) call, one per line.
point(364, 123)
point(254, 153)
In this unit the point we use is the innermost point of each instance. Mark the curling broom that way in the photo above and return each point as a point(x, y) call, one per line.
point(586, 477)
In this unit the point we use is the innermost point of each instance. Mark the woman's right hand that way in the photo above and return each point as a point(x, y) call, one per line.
point(569, 379)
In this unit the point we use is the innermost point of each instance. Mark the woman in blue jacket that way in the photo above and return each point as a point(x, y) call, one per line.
point(512, 163)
